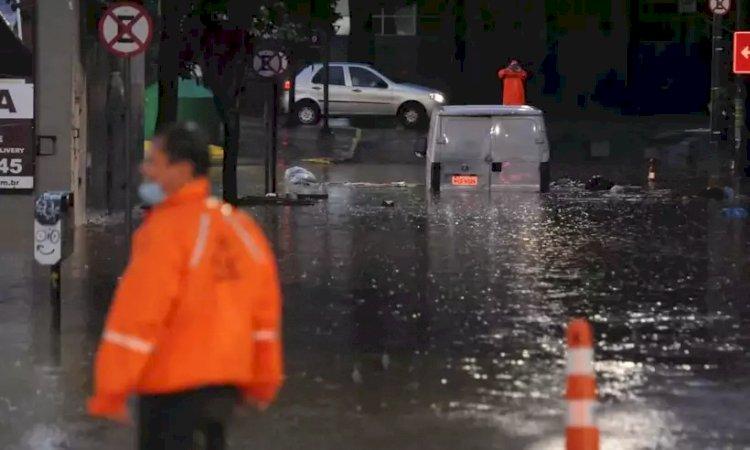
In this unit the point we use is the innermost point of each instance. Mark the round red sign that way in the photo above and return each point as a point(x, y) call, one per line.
point(126, 29)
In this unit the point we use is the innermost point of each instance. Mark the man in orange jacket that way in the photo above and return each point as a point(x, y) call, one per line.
point(513, 77)
point(195, 323)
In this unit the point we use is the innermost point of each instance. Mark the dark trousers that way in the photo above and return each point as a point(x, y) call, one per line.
point(186, 420)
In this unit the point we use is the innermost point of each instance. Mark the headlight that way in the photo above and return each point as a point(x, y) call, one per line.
point(438, 97)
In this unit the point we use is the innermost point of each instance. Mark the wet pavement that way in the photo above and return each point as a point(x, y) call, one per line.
point(434, 324)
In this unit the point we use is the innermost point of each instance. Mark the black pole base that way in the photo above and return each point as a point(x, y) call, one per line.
point(325, 130)
point(291, 122)
point(255, 200)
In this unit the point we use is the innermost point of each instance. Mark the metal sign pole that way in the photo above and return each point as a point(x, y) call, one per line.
point(274, 133)
point(716, 100)
point(55, 289)
point(126, 30)
point(326, 81)
point(128, 152)
point(740, 156)
point(269, 64)
point(267, 152)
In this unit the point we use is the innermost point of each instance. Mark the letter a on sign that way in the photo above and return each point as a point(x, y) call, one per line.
point(126, 29)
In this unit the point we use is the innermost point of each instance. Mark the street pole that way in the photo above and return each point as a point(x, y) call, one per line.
point(267, 153)
point(274, 133)
point(128, 152)
point(291, 120)
point(326, 80)
point(55, 289)
point(716, 80)
point(716, 93)
point(740, 156)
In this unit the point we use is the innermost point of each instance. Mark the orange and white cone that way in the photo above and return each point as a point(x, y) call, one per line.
point(651, 170)
point(581, 432)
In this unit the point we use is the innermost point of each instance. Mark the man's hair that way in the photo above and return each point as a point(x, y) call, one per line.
point(186, 141)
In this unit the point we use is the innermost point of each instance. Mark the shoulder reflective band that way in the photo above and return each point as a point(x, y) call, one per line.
point(265, 335)
point(228, 213)
point(200, 241)
point(130, 342)
point(244, 236)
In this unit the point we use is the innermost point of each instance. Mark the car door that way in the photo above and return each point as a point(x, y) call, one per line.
point(463, 150)
point(337, 90)
point(517, 144)
point(370, 93)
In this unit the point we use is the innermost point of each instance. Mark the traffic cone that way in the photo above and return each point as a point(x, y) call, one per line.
point(581, 432)
point(651, 170)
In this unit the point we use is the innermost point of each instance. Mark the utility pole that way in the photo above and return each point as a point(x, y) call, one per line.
point(716, 88)
point(717, 92)
point(321, 13)
point(740, 153)
point(291, 120)
point(326, 130)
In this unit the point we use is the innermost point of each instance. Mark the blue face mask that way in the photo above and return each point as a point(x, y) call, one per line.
point(151, 193)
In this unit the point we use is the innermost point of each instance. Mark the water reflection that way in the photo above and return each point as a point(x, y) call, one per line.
point(439, 323)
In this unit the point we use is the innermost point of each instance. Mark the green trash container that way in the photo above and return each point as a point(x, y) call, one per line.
point(195, 102)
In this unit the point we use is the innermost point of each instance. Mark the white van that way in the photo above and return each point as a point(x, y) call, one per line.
point(487, 148)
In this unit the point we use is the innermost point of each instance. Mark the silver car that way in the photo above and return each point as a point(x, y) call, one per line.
point(360, 90)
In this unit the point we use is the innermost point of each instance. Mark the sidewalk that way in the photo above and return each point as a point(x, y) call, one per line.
point(617, 137)
point(296, 144)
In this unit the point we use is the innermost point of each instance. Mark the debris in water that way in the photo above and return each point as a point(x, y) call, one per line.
point(598, 183)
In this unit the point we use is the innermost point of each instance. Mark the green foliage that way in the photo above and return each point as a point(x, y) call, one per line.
point(284, 20)
point(213, 6)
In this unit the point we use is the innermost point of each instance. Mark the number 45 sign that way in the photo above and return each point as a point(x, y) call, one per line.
point(13, 166)
point(16, 155)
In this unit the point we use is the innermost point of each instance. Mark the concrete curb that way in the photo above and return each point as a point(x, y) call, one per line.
point(340, 147)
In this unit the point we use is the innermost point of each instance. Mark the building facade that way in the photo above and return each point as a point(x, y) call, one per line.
point(641, 56)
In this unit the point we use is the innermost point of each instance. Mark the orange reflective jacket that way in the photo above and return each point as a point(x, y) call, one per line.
point(514, 92)
point(199, 304)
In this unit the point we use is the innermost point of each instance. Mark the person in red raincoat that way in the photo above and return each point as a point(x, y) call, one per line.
point(514, 77)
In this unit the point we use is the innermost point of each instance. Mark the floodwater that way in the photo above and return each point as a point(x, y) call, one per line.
point(436, 323)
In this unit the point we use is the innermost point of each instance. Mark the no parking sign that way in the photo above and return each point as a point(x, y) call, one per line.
point(126, 29)
point(270, 60)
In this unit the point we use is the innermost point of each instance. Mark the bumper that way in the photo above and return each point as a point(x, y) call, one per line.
point(431, 106)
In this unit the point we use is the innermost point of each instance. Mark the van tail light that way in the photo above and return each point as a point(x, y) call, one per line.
point(288, 85)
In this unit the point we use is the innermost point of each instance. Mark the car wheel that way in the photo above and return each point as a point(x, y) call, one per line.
point(412, 115)
point(307, 112)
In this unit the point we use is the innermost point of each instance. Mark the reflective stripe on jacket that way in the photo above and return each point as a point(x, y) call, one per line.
point(199, 304)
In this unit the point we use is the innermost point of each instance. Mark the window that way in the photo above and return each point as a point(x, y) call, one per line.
point(430, 25)
point(364, 78)
point(336, 78)
point(594, 7)
point(659, 7)
point(658, 31)
point(517, 139)
point(390, 21)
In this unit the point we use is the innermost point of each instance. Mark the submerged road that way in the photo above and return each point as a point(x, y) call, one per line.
point(435, 324)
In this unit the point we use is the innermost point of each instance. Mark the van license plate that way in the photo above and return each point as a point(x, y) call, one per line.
point(465, 180)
